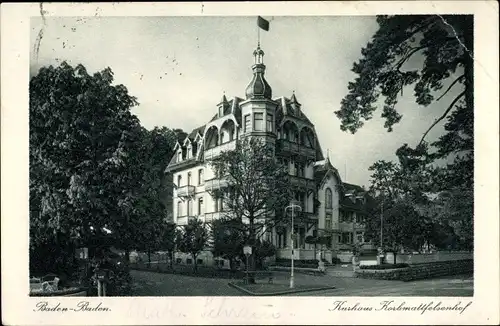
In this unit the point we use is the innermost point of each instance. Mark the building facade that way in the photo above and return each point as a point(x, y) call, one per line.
point(330, 207)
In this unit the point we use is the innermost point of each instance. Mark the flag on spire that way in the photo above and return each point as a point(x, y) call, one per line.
point(262, 23)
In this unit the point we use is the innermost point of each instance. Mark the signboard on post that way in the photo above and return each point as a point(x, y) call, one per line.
point(247, 250)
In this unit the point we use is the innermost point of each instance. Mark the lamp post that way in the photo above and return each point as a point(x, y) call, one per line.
point(293, 206)
point(381, 222)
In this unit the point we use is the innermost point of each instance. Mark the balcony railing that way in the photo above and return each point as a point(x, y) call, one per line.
point(185, 191)
point(216, 184)
point(302, 182)
point(184, 220)
point(217, 150)
point(209, 217)
point(295, 148)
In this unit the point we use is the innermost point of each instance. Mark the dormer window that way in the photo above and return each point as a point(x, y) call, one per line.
point(179, 155)
point(189, 151)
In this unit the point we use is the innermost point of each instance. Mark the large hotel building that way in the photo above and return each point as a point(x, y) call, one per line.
point(329, 205)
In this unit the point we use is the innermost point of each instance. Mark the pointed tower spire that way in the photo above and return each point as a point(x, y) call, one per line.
point(223, 105)
point(258, 87)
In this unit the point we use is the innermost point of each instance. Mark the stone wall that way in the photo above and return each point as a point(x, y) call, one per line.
point(438, 256)
point(420, 271)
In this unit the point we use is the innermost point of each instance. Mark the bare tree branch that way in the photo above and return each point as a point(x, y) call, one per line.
point(406, 57)
point(443, 116)
point(452, 84)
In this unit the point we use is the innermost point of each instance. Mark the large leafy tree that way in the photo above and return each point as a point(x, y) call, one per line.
point(434, 55)
point(443, 45)
point(78, 123)
point(92, 166)
point(259, 188)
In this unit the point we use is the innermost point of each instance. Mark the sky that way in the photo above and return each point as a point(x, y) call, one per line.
point(179, 68)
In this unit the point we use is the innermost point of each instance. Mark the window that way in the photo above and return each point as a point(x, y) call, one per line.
point(216, 204)
point(346, 237)
point(221, 111)
point(189, 152)
point(178, 260)
point(189, 179)
point(200, 206)
point(328, 221)
point(179, 155)
point(179, 180)
point(199, 261)
point(301, 172)
point(360, 218)
point(269, 118)
point(258, 121)
point(247, 123)
point(179, 208)
point(190, 208)
point(189, 261)
point(360, 237)
point(345, 216)
point(296, 137)
point(222, 135)
point(200, 177)
point(328, 198)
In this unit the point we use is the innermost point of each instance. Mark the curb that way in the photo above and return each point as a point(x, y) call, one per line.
point(240, 288)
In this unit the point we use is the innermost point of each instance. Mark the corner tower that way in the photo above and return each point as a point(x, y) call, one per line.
point(258, 111)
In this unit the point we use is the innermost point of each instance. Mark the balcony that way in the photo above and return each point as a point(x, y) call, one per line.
point(216, 184)
point(217, 150)
point(302, 182)
point(186, 191)
point(209, 217)
point(184, 220)
point(349, 226)
point(287, 146)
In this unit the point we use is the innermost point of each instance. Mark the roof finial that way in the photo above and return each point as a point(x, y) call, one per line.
point(327, 155)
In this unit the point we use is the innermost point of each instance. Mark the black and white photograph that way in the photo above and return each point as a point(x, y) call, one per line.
point(264, 154)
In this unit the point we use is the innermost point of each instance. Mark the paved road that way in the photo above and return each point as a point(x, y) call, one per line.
point(156, 284)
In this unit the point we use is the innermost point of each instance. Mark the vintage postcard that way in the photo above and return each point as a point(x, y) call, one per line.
point(250, 163)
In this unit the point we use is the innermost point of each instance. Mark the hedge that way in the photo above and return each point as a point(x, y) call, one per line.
point(420, 271)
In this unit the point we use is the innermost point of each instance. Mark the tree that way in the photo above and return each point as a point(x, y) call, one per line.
point(228, 239)
point(193, 239)
point(77, 124)
point(92, 165)
point(167, 240)
point(443, 46)
point(430, 53)
point(259, 188)
point(263, 249)
point(402, 228)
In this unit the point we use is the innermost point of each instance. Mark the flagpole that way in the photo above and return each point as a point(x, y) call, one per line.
point(258, 36)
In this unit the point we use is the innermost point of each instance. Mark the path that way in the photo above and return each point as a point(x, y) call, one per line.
point(157, 284)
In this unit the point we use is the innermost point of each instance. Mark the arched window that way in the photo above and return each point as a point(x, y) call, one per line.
point(179, 208)
point(328, 198)
point(189, 179)
point(179, 180)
